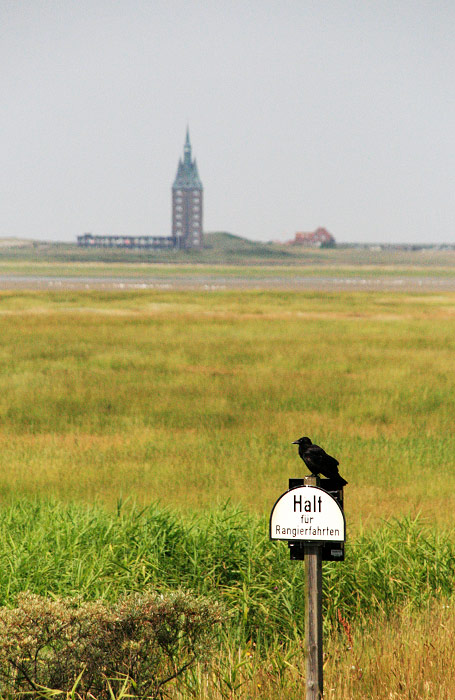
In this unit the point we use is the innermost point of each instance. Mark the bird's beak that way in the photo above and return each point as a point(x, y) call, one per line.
point(296, 442)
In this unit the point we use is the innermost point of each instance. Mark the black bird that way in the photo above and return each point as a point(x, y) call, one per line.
point(318, 461)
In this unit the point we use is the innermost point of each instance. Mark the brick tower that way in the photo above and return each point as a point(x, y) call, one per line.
point(187, 202)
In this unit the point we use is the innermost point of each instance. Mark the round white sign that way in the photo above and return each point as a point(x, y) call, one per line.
point(307, 513)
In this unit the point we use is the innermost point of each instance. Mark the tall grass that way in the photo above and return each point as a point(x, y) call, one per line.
point(388, 609)
point(410, 656)
point(50, 548)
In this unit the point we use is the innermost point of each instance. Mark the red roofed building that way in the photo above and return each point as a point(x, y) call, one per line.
point(320, 238)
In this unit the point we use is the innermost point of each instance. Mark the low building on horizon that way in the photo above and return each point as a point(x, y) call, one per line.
point(320, 238)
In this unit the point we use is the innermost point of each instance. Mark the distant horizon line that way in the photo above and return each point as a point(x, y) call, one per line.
point(339, 243)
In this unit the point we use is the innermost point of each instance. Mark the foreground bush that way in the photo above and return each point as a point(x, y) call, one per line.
point(136, 645)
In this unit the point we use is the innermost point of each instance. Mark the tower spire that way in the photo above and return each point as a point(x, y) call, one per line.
point(187, 148)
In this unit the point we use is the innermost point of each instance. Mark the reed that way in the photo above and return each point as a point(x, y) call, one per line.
point(410, 656)
point(57, 549)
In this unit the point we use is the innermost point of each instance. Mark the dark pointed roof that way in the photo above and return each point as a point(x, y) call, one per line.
point(187, 177)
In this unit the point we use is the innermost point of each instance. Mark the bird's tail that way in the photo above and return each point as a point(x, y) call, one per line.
point(342, 482)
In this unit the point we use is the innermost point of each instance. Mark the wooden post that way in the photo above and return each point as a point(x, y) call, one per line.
point(313, 614)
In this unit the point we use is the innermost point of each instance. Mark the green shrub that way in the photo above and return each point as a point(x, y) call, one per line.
point(136, 645)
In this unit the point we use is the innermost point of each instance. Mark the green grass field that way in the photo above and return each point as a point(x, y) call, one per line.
point(313, 267)
point(190, 401)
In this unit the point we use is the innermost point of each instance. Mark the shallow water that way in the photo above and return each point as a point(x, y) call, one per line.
point(218, 282)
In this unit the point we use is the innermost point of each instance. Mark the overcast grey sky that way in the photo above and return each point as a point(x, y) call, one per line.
point(302, 113)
